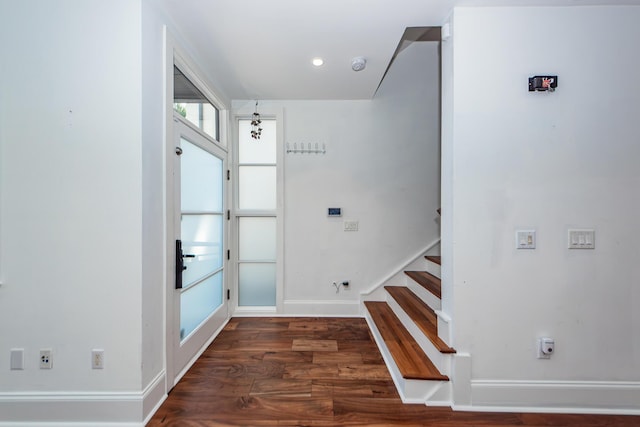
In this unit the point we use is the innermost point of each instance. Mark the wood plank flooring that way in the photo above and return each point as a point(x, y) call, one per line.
point(252, 376)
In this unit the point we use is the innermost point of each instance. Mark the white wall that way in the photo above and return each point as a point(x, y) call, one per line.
point(153, 172)
point(75, 119)
point(382, 168)
point(547, 162)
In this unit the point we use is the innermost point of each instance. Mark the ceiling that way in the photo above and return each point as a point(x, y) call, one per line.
point(262, 49)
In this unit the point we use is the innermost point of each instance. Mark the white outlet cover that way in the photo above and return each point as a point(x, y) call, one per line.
point(97, 359)
point(17, 358)
point(46, 359)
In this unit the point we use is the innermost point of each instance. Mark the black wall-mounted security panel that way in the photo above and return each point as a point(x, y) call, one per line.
point(543, 83)
point(334, 212)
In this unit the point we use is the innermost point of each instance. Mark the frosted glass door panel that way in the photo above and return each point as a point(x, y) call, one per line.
point(257, 187)
point(201, 179)
point(198, 302)
point(257, 284)
point(257, 151)
point(257, 239)
point(201, 237)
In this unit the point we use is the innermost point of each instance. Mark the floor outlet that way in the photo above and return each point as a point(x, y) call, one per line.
point(46, 359)
point(97, 359)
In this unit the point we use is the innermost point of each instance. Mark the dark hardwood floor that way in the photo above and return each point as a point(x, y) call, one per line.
point(315, 372)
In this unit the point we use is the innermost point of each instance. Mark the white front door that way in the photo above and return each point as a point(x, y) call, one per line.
point(199, 300)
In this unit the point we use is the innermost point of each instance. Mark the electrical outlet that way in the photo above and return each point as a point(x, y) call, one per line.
point(97, 359)
point(46, 358)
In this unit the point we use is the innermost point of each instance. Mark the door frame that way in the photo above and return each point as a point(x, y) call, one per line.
point(174, 55)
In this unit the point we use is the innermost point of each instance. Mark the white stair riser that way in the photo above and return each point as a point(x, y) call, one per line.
point(430, 299)
point(434, 269)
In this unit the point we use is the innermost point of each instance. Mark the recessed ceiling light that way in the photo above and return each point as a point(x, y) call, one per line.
point(317, 61)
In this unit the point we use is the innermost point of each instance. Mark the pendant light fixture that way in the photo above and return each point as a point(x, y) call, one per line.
point(256, 130)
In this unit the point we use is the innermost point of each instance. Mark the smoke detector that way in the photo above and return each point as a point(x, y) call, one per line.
point(358, 63)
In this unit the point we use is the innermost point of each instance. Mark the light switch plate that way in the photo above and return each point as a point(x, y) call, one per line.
point(525, 239)
point(583, 238)
point(351, 226)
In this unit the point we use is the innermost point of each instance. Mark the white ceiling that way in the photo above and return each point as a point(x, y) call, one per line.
point(262, 49)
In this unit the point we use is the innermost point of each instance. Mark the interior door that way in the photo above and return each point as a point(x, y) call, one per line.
point(200, 224)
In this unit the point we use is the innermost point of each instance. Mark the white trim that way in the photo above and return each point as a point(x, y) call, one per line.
point(153, 396)
point(342, 308)
point(68, 424)
point(579, 397)
point(115, 408)
point(174, 54)
point(81, 408)
point(401, 266)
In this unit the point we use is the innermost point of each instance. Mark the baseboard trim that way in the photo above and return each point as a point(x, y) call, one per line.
point(580, 397)
point(341, 308)
point(103, 409)
point(153, 396)
point(62, 408)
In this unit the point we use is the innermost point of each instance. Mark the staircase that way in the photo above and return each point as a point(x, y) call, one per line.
point(412, 333)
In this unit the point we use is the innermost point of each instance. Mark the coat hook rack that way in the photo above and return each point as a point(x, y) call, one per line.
point(308, 149)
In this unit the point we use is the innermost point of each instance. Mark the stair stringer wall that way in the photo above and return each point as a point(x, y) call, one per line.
point(396, 276)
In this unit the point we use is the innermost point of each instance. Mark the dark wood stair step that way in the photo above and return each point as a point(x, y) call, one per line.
point(421, 314)
point(434, 258)
point(407, 354)
point(427, 281)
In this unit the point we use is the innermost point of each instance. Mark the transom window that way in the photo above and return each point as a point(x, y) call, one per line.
point(191, 104)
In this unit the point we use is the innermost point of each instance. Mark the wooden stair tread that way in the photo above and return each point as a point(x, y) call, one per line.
point(409, 357)
point(427, 281)
point(421, 314)
point(434, 258)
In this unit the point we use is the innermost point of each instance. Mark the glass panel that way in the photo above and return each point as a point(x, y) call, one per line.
point(257, 239)
point(257, 284)
point(201, 175)
point(202, 237)
point(257, 187)
point(198, 302)
point(191, 104)
point(252, 151)
point(209, 122)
